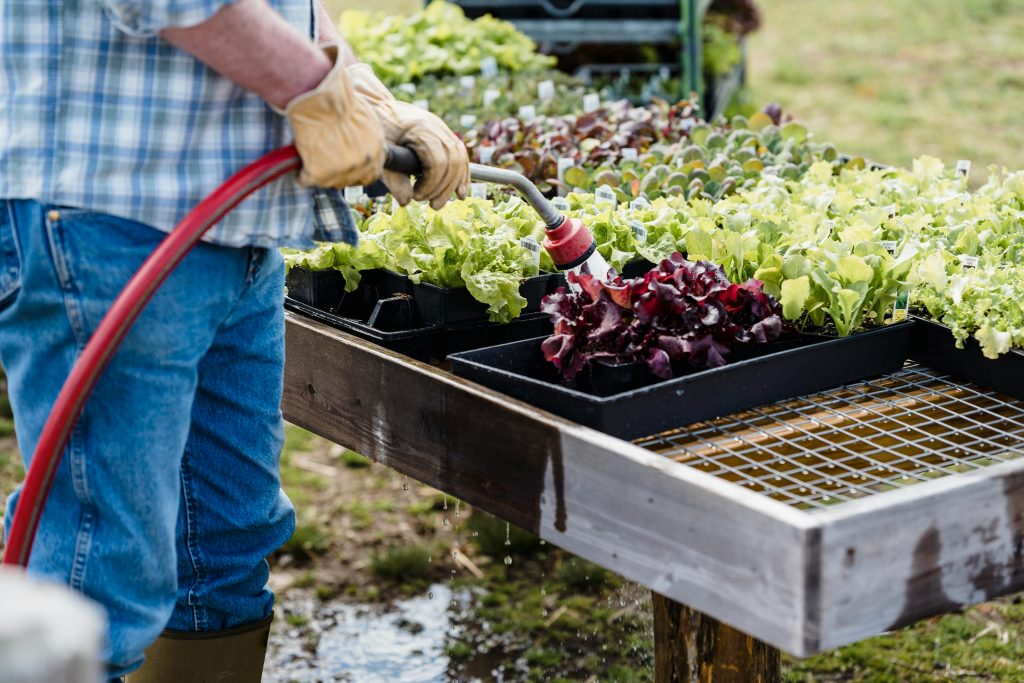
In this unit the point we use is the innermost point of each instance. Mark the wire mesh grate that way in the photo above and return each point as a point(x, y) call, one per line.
point(856, 440)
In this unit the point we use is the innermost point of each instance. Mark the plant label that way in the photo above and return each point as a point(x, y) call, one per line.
point(963, 167)
point(531, 245)
point(560, 203)
point(527, 113)
point(665, 73)
point(546, 91)
point(605, 195)
point(889, 246)
point(640, 204)
point(630, 154)
point(486, 154)
point(968, 261)
point(408, 87)
point(491, 95)
point(467, 120)
point(639, 231)
point(901, 307)
point(489, 67)
point(467, 82)
point(422, 104)
point(478, 190)
point(591, 102)
point(353, 194)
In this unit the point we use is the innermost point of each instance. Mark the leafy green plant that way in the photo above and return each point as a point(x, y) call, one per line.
point(438, 40)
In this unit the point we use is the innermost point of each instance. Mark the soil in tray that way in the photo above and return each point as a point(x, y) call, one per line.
point(754, 377)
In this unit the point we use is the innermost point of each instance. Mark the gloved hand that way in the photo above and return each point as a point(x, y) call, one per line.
point(339, 138)
point(443, 155)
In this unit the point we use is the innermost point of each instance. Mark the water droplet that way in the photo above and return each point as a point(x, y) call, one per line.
point(445, 521)
point(405, 483)
point(476, 533)
point(543, 542)
point(508, 536)
point(508, 559)
point(445, 507)
point(457, 504)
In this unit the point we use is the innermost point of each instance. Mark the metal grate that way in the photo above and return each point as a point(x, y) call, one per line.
point(856, 440)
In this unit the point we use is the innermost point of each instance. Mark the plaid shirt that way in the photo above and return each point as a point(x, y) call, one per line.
point(98, 112)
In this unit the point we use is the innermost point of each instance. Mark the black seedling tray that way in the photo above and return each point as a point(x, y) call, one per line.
point(450, 305)
point(384, 327)
point(934, 346)
point(431, 306)
point(813, 364)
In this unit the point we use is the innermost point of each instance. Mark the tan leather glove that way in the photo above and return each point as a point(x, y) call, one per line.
point(339, 138)
point(443, 155)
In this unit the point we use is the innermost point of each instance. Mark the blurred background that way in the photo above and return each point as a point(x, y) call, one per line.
point(885, 80)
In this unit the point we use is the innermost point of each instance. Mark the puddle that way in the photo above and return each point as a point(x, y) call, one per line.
point(400, 643)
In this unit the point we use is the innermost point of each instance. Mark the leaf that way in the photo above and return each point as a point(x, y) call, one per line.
point(759, 121)
point(794, 295)
point(853, 269)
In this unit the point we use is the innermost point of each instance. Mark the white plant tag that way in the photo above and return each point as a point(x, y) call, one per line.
point(531, 246)
point(640, 204)
point(639, 231)
point(491, 95)
point(486, 155)
point(963, 167)
point(422, 104)
point(467, 120)
point(489, 67)
point(467, 83)
point(560, 203)
point(408, 87)
point(968, 261)
point(630, 154)
point(353, 194)
point(546, 91)
point(591, 102)
point(889, 246)
point(528, 113)
point(606, 195)
point(478, 190)
point(665, 73)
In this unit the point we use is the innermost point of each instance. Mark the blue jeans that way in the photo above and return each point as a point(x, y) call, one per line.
point(168, 497)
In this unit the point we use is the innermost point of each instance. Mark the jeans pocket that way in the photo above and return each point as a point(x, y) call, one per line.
point(10, 255)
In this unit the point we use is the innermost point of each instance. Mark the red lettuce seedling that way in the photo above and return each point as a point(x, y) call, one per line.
point(681, 315)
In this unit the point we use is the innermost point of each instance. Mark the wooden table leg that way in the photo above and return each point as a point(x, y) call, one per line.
point(691, 647)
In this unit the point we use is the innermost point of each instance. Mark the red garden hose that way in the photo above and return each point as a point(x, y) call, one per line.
point(111, 331)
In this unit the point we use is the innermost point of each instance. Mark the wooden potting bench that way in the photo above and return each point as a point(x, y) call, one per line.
point(799, 526)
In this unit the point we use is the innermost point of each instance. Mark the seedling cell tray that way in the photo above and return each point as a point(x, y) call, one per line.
point(933, 345)
point(812, 364)
point(423, 343)
point(450, 305)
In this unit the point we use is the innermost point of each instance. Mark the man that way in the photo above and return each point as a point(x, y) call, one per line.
point(116, 117)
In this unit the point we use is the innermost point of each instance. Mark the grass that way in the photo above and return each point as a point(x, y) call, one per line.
point(897, 79)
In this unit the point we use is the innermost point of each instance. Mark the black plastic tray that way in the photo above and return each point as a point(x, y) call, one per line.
point(450, 305)
point(432, 306)
point(933, 345)
point(429, 343)
point(817, 363)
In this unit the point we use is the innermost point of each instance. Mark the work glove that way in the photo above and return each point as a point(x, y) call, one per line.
point(339, 138)
point(442, 154)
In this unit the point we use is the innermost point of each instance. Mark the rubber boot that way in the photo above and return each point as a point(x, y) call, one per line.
point(233, 655)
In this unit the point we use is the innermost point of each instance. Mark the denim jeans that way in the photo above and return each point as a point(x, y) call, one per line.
point(168, 497)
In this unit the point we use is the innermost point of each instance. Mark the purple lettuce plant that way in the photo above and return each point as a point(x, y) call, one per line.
point(681, 315)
